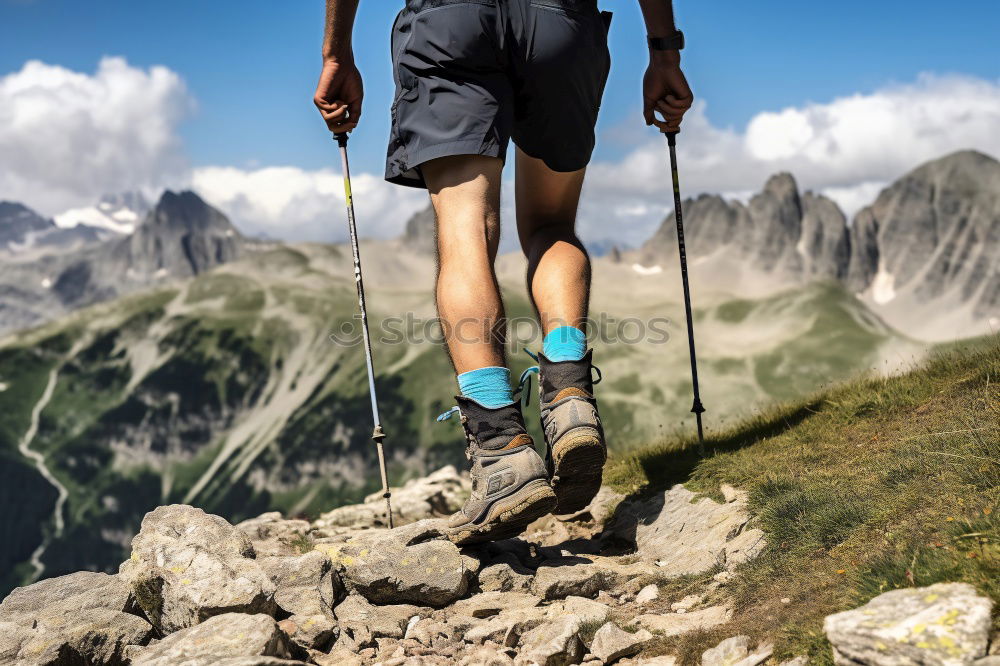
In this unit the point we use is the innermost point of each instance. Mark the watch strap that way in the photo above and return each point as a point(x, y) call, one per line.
point(674, 42)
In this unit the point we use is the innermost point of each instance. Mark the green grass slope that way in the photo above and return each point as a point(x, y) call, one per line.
point(877, 484)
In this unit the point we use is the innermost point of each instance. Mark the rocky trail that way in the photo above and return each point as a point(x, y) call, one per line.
point(343, 590)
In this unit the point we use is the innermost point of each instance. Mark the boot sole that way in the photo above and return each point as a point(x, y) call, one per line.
point(508, 516)
point(578, 466)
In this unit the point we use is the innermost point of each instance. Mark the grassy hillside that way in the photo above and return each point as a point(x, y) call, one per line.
point(877, 484)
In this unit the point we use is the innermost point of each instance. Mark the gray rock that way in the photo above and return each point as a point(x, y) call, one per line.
point(272, 535)
point(386, 566)
point(683, 536)
point(944, 624)
point(244, 661)
point(336, 657)
point(363, 622)
point(587, 611)
point(507, 575)
point(488, 604)
point(561, 577)
point(83, 616)
point(687, 603)
point(307, 588)
point(735, 651)
point(797, 661)
point(437, 495)
point(555, 643)
point(486, 655)
point(507, 627)
point(226, 636)
point(649, 593)
point(187, 565)
point(611, 643)
point(675, 624)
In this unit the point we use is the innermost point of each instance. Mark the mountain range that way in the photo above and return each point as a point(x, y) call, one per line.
point(74, 266)
point(183, 362)
point(924, 256)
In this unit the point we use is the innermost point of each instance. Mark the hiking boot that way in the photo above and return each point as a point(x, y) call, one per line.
point(510, 486)
point(574, 436)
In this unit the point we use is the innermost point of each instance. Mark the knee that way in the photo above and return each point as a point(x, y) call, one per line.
point(541, 238)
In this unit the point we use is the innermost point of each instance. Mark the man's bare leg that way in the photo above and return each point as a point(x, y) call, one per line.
point(559, 285)
point(510, 483)
point(558, 265)
point(465, 193)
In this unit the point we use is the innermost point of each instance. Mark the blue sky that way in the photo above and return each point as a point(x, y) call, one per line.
point(250, 66)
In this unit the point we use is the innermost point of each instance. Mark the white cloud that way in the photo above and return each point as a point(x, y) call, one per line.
point(295, 204)
point(66, 137)
point(847, 148)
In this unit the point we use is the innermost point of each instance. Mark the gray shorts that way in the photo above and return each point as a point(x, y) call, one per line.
point(471, 74)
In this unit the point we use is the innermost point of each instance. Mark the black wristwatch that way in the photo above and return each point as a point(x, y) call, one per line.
point(674, 42)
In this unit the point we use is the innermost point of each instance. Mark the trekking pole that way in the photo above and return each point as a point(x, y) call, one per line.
point(377, 434)
point(697, 408)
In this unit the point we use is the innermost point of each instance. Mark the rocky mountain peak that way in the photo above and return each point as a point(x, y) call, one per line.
point(420, 233)
point(17, 221)
point(782, 186)
point(931, 240)
point(186, 211)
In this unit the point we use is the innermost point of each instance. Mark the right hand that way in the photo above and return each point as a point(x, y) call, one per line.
point(339, 94)
point(665, 89)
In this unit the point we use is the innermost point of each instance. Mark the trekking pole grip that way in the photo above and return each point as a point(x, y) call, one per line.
point(671, 138)
point(341, 138)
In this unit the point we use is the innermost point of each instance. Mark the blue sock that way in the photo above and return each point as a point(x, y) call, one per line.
point(565, 343)
point(488, 386)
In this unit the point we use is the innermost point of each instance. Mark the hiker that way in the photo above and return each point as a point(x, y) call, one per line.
point(470, 75)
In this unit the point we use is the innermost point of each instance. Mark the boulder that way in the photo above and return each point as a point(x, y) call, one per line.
point(560, 577)
point(84, 617)
point(611, 643)
point(555, 643)
point(398, 566)
point(361, 622)
point(227, 636)
point(684, 536)
point(944, 624)
point(306, 588)
point(675, 624)
point(187, 565)
point(507, 575)
point(649, 593)
point(507, 627)
point(661, 660)
point(440, 494)
point(486, 655)
point(687, 603)
point(272, 535)
point(735, 651)
point(588, 611)
point(488, 604)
